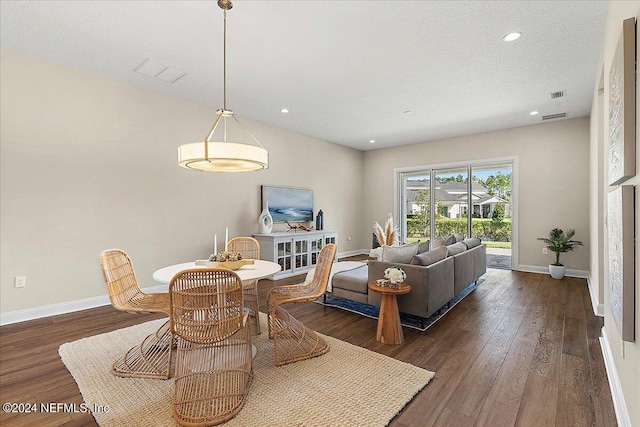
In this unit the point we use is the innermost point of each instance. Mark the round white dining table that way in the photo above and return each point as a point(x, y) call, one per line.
point(259, 270)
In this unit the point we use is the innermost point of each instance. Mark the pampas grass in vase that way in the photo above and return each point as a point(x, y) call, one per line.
point(387, 235)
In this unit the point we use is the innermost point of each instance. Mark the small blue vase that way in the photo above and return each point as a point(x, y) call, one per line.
point(319, 220)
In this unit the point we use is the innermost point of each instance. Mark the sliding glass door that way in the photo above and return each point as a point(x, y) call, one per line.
point(492, 211)
point(417, 207)
point(451, 201)
point(438, 201)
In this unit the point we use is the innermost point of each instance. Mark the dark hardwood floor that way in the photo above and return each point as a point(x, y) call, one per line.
point(521, 350)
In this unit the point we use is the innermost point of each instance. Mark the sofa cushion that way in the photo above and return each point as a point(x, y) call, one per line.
point(423, 247)
point(431, 257)
point(401, 254)
point(456, 248)
point(458, 236)
point(472, 242)
point(355, 280)
point(450, 240)
point(437, 242)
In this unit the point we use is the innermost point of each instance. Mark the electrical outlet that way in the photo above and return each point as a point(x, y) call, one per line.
point(20, 282)
point(545, 251)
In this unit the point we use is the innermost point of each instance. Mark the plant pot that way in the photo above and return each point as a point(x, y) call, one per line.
point(557, 271)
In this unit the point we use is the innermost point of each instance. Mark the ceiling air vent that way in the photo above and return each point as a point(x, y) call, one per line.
point(554, 116)
point(558, 94)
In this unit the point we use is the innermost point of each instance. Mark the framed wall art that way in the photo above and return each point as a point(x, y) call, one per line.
point(620, 224)
point(622, 107)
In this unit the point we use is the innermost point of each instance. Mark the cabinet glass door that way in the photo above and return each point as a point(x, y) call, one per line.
point(283, 251)
point(301, 248)
point(316, 245)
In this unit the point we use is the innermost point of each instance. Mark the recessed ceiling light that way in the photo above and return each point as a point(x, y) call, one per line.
point(284, 110)
point(372, 141)
point(511, 37)
point(534, 113)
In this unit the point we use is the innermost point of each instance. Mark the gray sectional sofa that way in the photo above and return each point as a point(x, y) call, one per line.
point(435, 276)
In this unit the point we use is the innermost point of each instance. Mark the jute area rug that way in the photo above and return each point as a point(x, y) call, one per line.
point(348, 386)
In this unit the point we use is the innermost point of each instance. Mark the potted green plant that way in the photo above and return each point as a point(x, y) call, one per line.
point(559, 241)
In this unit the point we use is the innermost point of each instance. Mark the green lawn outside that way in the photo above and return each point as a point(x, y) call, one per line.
point(494, 234)
point(500, 245)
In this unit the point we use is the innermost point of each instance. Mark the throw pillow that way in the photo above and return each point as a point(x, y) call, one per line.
point(437, 242)
point(458, 236)
point(472, 242)
point(456, 248)
point(430, 257)
point(451, 239)
point(401, 254)
point(423, 247)
point(376, 253)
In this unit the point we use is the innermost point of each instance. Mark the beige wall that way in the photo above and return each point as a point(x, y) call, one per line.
point(626, 356)
point(553, 179)
point(89, 163)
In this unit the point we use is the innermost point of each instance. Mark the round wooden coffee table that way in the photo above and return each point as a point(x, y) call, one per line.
point(389, 327)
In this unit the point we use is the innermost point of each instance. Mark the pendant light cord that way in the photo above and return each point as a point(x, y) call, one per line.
point(224, 60)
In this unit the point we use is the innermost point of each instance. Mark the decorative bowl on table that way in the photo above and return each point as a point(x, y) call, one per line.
point(231, 265)
point(389, 284)
point(230, 260)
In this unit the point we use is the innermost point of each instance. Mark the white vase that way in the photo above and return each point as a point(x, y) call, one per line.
point(557, 271)
point(265, 221)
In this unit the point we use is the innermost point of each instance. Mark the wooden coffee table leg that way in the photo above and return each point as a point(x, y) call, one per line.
point(389, 327)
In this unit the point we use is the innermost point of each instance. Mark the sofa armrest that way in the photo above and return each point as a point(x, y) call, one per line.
point(480, 261)
point(431, 286)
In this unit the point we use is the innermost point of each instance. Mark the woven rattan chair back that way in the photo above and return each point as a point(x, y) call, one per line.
point(293, 341)
point(121, 281)
point(249, 248)
point(318, 284)
point(214, 363)
point(151, 358)
point(206, 305)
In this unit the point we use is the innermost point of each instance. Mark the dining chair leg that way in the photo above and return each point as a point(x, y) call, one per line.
point(292, 340)
point(250, 295)
point(150, 359)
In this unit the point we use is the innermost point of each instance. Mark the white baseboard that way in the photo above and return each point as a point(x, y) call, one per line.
point(582, 274)
point(64, 307)
point(598, 309)
point(622, 415)
point(352, 253)
point(99, 301)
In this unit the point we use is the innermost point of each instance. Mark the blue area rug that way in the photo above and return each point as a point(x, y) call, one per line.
point(408, 320)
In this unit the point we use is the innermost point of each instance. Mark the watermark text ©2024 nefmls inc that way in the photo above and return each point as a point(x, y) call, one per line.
point(53, 408)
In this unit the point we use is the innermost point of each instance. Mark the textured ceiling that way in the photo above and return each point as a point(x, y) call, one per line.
point(346, 70)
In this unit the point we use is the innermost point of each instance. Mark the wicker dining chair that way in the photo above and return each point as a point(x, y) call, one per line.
point(151, 358)
point(292, 340)
point(249, 248)
point(214, 358)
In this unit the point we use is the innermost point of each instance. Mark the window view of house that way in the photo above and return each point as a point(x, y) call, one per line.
point(489, 203)
point(448, 186)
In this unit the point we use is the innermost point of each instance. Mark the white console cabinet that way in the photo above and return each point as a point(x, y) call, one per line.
point(296, 252)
